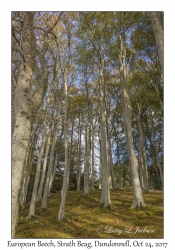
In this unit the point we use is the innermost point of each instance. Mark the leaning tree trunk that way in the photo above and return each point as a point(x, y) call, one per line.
point(138, 197)
point(137, 191)
point(158, 34)
point(41, 185)
point(55, 162)
point(38, 168)
point(105, 196)
point(28, 166)
point(50, 168)
point(26, 176)
point(54, 171)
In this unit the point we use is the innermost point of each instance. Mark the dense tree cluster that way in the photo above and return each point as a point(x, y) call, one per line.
point(87, 105)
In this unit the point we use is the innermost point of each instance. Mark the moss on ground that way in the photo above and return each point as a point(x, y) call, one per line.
point(86, 219)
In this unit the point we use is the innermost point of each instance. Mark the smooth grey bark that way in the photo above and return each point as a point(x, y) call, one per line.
point(61, 214)
point(78, 169)
point(24, 108)
point(41, 185)
point(55, 162)
point(38, 168)
point(100, 178)
point(137, 191)
point(21, 197)
point(54, 171)
point(113, 183)
point(100, 166)
point(26, 176)
point(127, 113)
point(70, 151)
point(119, 174)
point(28, 165)
point(105, 196)
point(92, 173)
point(142, 154)
point(87, 155)
point(50, 167)
point(158, 34)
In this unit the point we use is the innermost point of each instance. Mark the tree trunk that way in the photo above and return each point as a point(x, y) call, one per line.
point(22, 115)
point(24, 106)
point(61, 215)
point(142, 153)
point(119, 174)
point(26, 176)
point(155, 146)
point(158, 34)
point(38, 168)
point(54, 171)
point(99, 181)
point(153, 156)
point(105, 197)
point(87, 155)
point(50, 168)
point(55, 163)
point(70, 151)
point(110, 163)
point(138, 197)
point(92, 183)
point(78, 169)
point(41, 185)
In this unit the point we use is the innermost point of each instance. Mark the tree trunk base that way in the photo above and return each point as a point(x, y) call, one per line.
point(86, 193)
point(137, 203)
point(104, 206)
point(61, 218)
point(43, 208)
point(31, 216)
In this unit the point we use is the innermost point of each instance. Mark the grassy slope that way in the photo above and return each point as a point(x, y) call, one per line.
point(86, 219)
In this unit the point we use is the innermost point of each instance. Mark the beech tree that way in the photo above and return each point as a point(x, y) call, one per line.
point(87, 103)
point(24, 104)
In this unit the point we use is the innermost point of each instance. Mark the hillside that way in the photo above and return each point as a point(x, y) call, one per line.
point(86, 219)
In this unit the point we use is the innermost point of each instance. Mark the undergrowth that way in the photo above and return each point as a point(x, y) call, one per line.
point(85, 218)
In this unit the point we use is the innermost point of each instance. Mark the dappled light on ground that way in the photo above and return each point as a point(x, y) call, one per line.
point(86, 219)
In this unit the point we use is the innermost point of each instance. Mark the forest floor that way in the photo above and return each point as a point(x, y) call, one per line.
point(86, 219)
